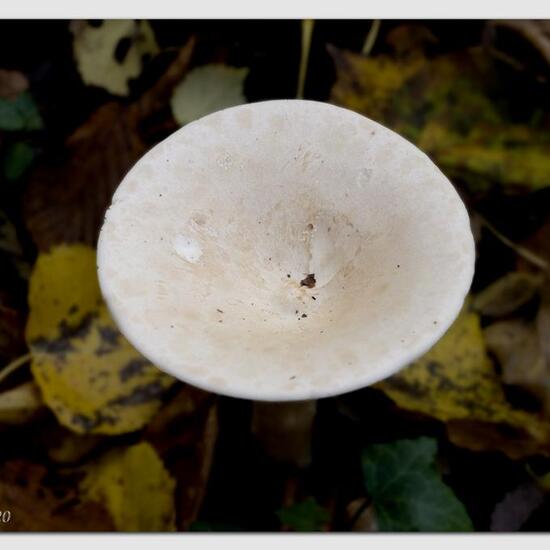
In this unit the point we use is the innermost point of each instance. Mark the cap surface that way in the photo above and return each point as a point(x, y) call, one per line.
point(284, 250)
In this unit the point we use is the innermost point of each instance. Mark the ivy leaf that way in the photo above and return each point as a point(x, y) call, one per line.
point(88, 373)
point(407, 491)
point(304, 516)
point(19, 114)
point(17, 159)
point(133, 485)
point(110, 55)
point(207, 89)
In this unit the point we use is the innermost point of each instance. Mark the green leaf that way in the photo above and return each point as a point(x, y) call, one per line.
point(304, 516)
point(407, 491)
point(17, 160)
point(20, 113)
point(208, 89)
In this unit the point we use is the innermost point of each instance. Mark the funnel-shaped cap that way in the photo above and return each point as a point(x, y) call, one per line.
point(285, 250)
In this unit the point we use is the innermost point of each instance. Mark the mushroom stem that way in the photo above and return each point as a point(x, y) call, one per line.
point(284, 430)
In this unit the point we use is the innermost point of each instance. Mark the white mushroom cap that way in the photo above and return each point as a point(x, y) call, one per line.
point(285, 250)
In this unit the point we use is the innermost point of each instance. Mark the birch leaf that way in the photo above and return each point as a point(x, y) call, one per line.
point(89, 375)
point(133, 485)
point(110, 55)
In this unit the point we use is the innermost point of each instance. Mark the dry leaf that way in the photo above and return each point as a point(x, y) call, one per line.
point(111, 54)
point(516, 346)
point(19, 404)
point(89, 375)
point(37, 503)
point(456, 381)
point(133, 485)
point(507, 294)
point(184, 433)
point(66, 200)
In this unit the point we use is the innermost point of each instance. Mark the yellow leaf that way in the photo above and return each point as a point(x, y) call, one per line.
point(368, 84)
point(109, 55)
point(133, 485)
point(89, 375)
point(456, 380)
point(208, 89)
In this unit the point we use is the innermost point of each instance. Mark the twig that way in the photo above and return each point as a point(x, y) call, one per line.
point(525, 253)
point(14, 365)
point(371, 37)
point(307, 32)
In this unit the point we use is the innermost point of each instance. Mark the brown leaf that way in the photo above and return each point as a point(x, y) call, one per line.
point(516, 346)
point(66, 200)
point(12, 83)
point(184, 433)
point(479, 436)
point(37, 503)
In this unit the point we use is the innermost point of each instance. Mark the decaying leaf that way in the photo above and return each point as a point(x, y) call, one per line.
point(456, 381)
point(362, 515)
point(89, 375)
point(66, 198)
point(207, 89)
point(516, 507)
point(39, 503)
point(305, 516)
point(19, 404)
point(517, 348)
point(443, 104)
point(184, 433)
point(133, 485)
point(111, 54)
point(407, 491)
point(507, 294)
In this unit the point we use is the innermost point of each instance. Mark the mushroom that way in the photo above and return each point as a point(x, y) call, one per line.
point(285, 250)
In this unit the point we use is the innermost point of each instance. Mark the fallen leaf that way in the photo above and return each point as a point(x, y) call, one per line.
point(407, 491)
point(516, 507)
point(89, 375)
point(184, 433)
point(66, 197)
point(443, 104)
point(12, 83)
point(19, 404)
point(207, 89)
point(305, 516)
point(516, 346)
point(456, 380)
point(362, 516)
point(19, 114)
point(37, 503)
point(133, 485)
point(111, 54)
point(507, 294)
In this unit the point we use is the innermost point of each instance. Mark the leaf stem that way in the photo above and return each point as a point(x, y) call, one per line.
point(307, 32)
point(14, 365)
point(525, 253)
point(371, 37)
